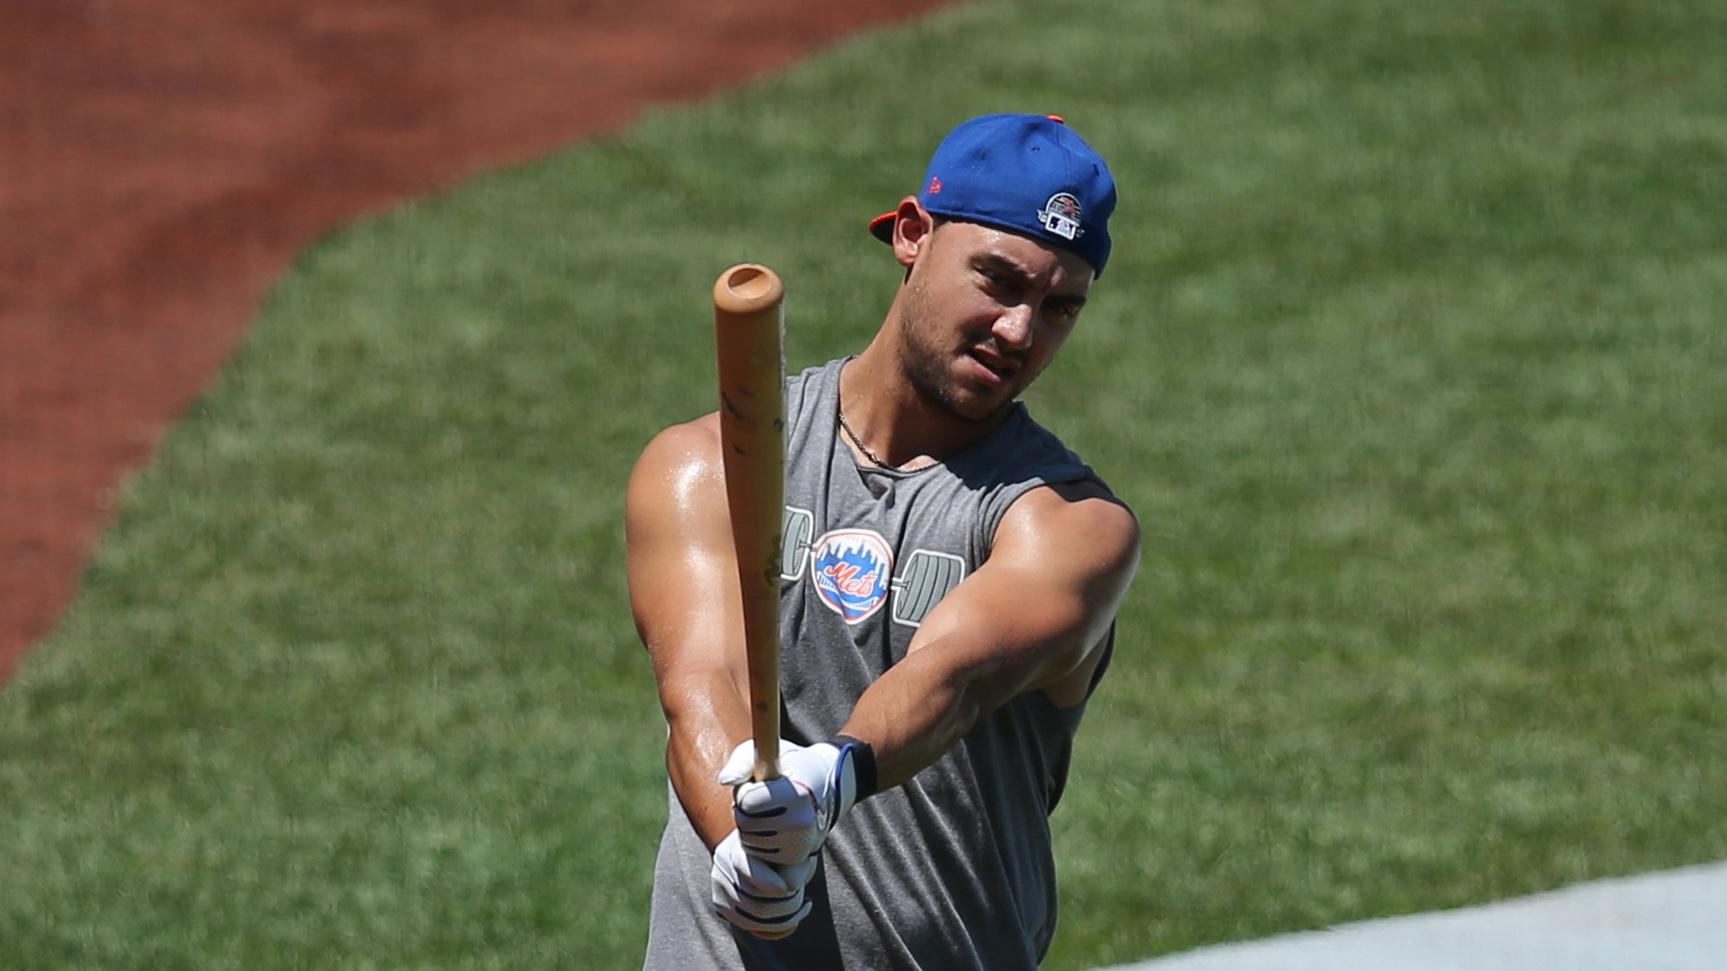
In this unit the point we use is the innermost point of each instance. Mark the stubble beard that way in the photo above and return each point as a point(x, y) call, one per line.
point(928, 366)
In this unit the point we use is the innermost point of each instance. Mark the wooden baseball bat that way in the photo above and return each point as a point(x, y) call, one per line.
point(749, 337)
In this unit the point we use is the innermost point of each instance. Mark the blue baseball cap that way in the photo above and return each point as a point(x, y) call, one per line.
point(1028, 174)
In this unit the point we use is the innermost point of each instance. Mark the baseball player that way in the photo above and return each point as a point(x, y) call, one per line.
point(948, 594)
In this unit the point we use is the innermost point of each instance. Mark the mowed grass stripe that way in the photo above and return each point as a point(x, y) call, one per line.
point(1407, 358)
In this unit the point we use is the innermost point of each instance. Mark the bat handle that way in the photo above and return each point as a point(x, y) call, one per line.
point(767, 758)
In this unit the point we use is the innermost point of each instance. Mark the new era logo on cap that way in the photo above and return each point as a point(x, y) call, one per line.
point(1028, 174)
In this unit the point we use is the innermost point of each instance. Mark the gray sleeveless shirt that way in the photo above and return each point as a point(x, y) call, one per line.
point(952, 869)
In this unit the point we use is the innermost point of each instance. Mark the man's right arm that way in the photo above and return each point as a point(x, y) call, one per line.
point(684, 594)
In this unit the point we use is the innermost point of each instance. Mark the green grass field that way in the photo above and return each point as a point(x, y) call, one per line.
point(1409, 358)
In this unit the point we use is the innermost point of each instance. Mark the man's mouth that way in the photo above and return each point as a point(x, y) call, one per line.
point(1002, 368)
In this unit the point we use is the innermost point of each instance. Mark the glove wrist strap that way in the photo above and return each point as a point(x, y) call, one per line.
point(863, 765)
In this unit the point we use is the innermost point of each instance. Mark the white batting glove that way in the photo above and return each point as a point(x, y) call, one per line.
point(766, 900)
point(786, 820)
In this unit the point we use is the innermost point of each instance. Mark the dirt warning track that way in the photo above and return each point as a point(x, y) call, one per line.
point(161, 162)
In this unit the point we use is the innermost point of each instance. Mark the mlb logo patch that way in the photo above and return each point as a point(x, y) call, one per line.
point(1060, 215)
point(852, 570)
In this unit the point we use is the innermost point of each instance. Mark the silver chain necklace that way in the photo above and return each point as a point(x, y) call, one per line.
point(846, 427)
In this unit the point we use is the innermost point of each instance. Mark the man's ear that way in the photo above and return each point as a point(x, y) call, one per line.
point(911, 230)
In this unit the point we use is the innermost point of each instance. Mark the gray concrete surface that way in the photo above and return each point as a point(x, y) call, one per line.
point(1670, 921)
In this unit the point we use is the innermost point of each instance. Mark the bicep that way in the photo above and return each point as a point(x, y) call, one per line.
point(679, 558)
point(1043, 602)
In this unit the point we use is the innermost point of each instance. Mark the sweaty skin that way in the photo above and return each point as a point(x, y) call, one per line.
point(980, 314)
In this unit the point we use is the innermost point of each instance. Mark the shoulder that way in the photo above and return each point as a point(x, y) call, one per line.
point(1021, 453)
point(677, 465)
point(695, 441)
point(1080, 523)
point(813, 377)
point(1044, 449)
point(1027, 460)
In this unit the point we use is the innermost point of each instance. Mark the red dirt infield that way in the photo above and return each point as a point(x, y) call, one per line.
point(162, 161)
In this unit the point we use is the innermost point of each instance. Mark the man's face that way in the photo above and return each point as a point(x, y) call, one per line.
point(984, 313)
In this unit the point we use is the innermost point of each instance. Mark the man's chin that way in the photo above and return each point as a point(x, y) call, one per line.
point(960, 394)
point(980, 408)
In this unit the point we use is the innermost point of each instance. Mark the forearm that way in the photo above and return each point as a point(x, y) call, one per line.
point(707, 717)
point(916, 711)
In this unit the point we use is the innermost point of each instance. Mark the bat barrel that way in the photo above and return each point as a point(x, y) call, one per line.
point(749, 330)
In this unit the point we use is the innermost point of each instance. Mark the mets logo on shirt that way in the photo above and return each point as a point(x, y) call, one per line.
point(852, 570)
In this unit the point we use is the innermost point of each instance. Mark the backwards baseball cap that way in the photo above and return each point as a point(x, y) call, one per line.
point(1028, 174)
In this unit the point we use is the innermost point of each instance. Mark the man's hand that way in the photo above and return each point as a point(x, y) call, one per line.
point(784, 821)
point(766, 900)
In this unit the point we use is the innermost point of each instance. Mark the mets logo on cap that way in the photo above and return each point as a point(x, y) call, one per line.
point(852, 570)
point(1060, 215)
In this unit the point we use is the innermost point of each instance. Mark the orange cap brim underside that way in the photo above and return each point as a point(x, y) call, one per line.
point(881, 227)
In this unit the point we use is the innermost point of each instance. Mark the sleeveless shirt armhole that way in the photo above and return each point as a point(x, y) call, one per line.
point(1002, 499)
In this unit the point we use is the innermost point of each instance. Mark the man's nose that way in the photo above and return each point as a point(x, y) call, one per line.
point(1013, 329)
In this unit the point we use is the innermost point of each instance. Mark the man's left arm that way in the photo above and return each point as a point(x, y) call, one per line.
point(1033, 617)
